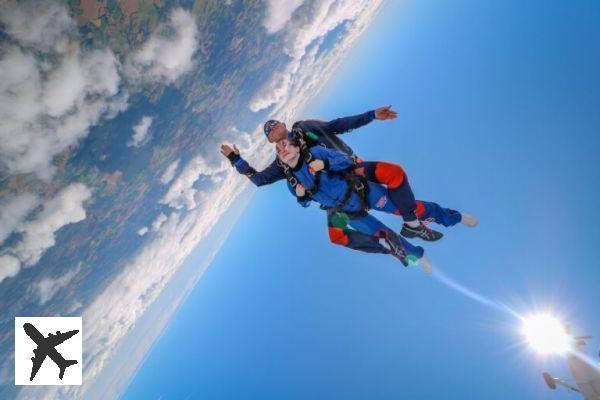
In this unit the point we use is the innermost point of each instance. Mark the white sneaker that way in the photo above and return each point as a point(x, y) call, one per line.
point(425, 265)
point(468, 220)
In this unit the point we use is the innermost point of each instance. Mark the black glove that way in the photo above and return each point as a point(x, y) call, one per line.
point(233, 157)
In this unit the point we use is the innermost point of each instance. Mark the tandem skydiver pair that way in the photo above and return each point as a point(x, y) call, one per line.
point(320, 167)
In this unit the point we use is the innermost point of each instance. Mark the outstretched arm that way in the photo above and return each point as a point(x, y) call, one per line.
point(271, 174)
point(345, 124)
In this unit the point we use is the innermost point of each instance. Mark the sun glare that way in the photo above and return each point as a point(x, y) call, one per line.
point(546, 334)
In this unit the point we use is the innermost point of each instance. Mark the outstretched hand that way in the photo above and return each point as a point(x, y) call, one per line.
point(226, 150)
point(385, 113)
point(315, 166)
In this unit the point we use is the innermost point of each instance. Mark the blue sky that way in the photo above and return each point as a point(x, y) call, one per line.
point(498, 116)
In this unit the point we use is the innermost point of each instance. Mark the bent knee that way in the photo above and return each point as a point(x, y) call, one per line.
point(337, 236)
point(391, 175)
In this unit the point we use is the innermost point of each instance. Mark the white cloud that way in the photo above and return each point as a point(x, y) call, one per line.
point(14, 211)
point(322, 17)
point(49, 103)
point(46, 288)
point(277, 89)
point(142, 231)
point(169, 173)
point(9, 266)
point(37, 24)
point(210, 166)
point(39, 234)
point(182, 193)
point(279, 13)
point(157, 223)
point(169, 51)
point(140, 132)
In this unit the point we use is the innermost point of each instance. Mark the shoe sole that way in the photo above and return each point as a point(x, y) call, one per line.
point(415, 235)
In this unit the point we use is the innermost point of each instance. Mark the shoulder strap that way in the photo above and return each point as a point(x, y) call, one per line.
point(299, 135)
point(293, 181)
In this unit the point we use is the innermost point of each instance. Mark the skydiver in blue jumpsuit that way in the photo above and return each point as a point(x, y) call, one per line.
point(322, 133)
point(317, 132)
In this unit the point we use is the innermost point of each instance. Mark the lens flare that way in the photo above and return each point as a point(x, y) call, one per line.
point(471, 294)
point(546, 335)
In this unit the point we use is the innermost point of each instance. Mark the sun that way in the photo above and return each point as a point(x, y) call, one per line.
point(546, 334)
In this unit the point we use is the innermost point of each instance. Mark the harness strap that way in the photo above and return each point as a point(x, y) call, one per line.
point(293, 181)
point(356, 184)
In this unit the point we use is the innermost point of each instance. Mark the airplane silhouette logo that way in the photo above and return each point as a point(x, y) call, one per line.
point(46, 347)
point(48, 350)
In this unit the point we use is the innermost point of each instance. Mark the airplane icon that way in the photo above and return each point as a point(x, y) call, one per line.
point(46, 347)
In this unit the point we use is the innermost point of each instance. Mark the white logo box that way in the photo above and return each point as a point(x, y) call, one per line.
point(70, 349)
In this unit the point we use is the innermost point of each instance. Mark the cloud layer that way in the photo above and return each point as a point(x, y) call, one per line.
point(197, 211)
point(52, 90)
point(46, 288)
point(279, 13)
point(310, 64)
point(205, 186)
